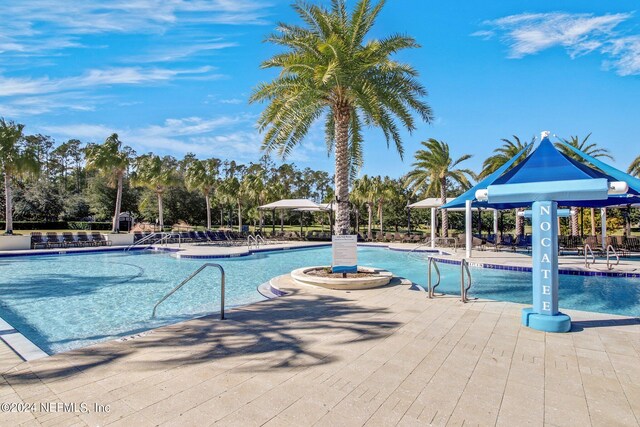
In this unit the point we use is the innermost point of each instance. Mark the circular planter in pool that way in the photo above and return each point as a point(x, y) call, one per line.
point(374, 278)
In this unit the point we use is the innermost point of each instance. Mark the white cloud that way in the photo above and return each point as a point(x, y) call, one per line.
point(97, 77)
point(225, 137)
point(578, 33)
point(38, 25)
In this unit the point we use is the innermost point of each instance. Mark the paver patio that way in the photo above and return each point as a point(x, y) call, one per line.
point(387, 356)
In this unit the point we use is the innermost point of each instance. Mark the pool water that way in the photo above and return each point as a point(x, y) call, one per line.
point(63, 302)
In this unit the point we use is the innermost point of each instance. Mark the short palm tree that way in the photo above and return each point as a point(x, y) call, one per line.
point(15, 159)
point(592, 150)
point(434, 169)
point(634, 167)
point(202, 175)
point(329, 70)
point(502, 155)
point(158, 175)
point(364, 193)
point(382, 193)
point(254, 186)
point(111, 160)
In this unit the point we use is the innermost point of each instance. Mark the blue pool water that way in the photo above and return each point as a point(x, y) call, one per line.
point(70, 301)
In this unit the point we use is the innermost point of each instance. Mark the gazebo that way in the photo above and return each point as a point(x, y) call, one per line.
point(542, 181)
point(548, 165)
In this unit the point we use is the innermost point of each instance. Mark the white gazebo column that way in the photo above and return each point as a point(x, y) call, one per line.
point(433, 228)
point(603, 218)
point(495, 222)
point(467, 228)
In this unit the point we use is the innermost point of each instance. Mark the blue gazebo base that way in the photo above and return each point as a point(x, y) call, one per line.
point(542, 322)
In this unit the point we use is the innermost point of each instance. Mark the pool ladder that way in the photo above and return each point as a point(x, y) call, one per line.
point(185, 281)
point(464, 285)
point(588, 251)
point(612, 251)
point(430, 286)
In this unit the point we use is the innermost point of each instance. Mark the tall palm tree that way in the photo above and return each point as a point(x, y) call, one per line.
point(634, 167)
point(157, 174)
point(502, 155)
point(203, 175)
point(592, 150)
point(329, 71)
point(433, 170)
point(15, 159)
point(111, 160)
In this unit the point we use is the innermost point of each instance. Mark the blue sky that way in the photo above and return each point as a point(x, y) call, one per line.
point(174, 76)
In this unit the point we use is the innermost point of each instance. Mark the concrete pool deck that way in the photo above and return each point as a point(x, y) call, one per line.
point(386, 356)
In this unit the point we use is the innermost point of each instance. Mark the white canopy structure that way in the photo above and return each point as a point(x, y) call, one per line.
point(287, 204)
point(299, 205)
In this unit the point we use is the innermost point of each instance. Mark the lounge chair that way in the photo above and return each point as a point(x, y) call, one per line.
point(53, 241)
point(69, 240)
point(83, 239)
point(99, 239)
point(37, 241)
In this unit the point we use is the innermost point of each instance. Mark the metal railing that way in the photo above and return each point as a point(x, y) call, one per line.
point(148, 240)
point(464, 269)
point(260, 239)
point(185, 281)
point(587, 251)
point(251, 238)
point(612, 250)
point(430, 286)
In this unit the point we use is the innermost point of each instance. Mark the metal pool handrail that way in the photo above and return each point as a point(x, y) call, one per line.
point(430, 287)
point(587, 248)
point(464, 268)
point(184, 282)
point(613, 251)
point(251, 238)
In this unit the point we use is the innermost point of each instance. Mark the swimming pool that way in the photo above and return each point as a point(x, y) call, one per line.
point(61, 302)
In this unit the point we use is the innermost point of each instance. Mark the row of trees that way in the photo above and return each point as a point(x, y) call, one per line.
point(73, 181)
point(76, 181)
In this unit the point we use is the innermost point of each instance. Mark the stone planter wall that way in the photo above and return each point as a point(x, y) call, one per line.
point(120, 239)
point(15, 243)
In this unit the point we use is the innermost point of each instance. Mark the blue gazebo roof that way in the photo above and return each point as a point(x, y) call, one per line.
point(546, 163)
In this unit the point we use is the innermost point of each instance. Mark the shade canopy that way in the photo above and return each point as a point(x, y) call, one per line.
point(547, 164)
point(297, 204)
point(430, 202)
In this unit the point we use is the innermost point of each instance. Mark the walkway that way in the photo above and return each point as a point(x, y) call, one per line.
point(386, 356)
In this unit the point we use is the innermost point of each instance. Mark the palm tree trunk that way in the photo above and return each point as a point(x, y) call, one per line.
point(519, 223)
point(380, 217)
point(357, 220)
point(342, 117)
point(445, 214)
point(160, 214)
point(281, 221)
point(116, 216)
point(208, 201)
point(239, 217)
point(574, 222)
point(593, 221)
point(8, 229)
point(369, 233)
point(221, 216)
